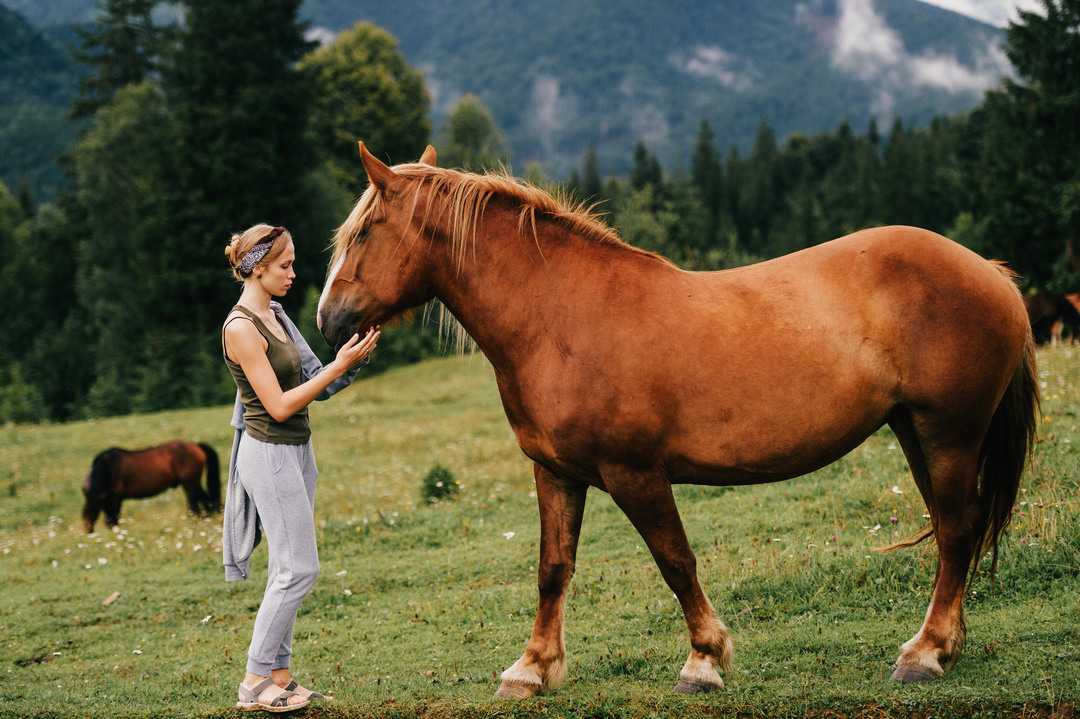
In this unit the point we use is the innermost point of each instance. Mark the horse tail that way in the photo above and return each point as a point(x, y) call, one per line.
point(97, 485)
point(927, 531)
point(213, 477)
point(1005, 449)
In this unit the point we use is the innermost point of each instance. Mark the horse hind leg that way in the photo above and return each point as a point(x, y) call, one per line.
point(111, 507)
point(543, 665)
point(648, 502)
point(196, 498)
point(948, 481)
point(1056, 331)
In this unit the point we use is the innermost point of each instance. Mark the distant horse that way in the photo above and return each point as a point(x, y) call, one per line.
point(620, 371)
point(118, 474)
point(1049, 314)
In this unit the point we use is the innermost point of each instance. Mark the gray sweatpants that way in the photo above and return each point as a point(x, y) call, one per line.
point(280, 478)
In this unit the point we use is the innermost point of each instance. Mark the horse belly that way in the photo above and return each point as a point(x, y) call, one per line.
point(708, 417)
point(777, 422)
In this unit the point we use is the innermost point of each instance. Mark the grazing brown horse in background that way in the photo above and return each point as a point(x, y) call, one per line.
point(1049, 314)
point(118, 474)
point(620, 371)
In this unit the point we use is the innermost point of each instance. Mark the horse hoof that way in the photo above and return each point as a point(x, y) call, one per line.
point(685, 687)
point(516, 690)
point(913, 675)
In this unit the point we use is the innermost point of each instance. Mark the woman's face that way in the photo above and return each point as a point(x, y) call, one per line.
point(277, 276)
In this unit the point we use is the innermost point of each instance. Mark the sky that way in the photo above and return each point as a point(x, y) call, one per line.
point(995, 12)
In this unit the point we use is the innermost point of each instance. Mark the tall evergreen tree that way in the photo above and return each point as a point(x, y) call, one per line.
point(122, 48)
point(591, 187)
point(759, 193)
point(1031, 159)
point(840, 188)
point(242, 110)
point(706, 175)
point(646, 169)
point(900, 174)
point(120, 162)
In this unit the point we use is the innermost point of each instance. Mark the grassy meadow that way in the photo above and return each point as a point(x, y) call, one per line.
point(419, 607)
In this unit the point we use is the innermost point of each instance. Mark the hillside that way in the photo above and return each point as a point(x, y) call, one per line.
point(419, 605)
point(559, 76)
point(37, 80)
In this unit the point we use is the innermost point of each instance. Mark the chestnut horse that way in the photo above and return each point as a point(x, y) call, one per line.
point(118, 474)
point(619, 371)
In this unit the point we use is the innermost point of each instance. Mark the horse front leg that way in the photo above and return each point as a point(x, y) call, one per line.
point(647, 501)
point(90, 513)
point(543, 665)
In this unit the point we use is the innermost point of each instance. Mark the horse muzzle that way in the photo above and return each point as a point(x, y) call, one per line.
point(338, 323)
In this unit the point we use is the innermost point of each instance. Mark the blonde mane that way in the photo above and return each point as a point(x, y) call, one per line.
point(466, 197)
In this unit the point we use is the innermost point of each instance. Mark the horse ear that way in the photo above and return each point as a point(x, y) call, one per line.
point(428, 158)
point(380, 175)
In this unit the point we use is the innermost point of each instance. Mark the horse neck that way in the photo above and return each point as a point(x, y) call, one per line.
point(508, 289)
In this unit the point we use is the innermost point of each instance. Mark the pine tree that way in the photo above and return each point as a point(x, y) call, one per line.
point(591, 188)
point(1031, 157)
point(900, 178)
point(122, 48)
point(759, 193)
point(646, 169)
point(242, 110)
point(706, 175)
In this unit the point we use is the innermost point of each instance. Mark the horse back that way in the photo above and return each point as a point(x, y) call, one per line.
point(147, 472)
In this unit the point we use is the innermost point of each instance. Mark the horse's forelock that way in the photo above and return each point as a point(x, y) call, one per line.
point(366, 208)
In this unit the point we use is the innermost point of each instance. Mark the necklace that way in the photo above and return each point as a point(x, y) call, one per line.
point(270, 320)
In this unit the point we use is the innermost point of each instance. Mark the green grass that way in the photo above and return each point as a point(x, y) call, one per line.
point(419, 607)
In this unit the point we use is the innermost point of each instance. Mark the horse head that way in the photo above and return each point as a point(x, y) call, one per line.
point(381, 264)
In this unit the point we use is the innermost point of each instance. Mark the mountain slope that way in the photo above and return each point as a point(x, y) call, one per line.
point(37, 80)
point(560, 75)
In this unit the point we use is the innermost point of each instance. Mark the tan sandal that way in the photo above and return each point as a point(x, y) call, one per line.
point(292, 686)
point(277, 705)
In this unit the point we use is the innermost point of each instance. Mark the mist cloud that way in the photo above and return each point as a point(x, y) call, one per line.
point(550, 111)
point(716, 64)
point(864, 46)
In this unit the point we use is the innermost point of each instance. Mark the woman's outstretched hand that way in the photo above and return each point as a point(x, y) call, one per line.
point(356, 350)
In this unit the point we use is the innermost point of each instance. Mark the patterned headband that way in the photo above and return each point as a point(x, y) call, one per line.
point(258, 251)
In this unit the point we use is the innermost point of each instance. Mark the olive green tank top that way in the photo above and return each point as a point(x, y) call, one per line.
point(285, 361)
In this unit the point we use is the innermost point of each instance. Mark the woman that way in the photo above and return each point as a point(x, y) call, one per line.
point(272, 475)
